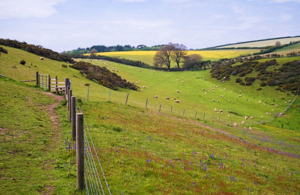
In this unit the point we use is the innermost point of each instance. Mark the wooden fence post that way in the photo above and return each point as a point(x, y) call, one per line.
point(37, 78)
point(80, 150)
point(183, 112)
point(146, 103)
point(73, 117)
point(49, 83)
point(219, 118)
point(126, 99)
point(159, 108)
point(70, 105)
point(196, 115)
point(66, 87)
point(56, 89)
point(171, 109)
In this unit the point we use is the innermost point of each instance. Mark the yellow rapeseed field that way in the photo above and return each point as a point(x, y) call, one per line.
point(147, 56)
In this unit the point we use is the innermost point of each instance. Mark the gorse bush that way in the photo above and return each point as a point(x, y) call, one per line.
point(3, 50)
point(23, 62)
point(103, 76)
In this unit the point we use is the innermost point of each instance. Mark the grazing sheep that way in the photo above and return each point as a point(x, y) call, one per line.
point(155, 96)
point(215, 110)
point(167, 98)
point(177, 101)
point(235, 124)
point(250, 128)
point(222, 96)
point(272, 103)
point(144, 87)
point(182, 81)
point(267, 113)
point(240, 95)
point(41, 58)
point(243, 122)
point(178, 91)
point(228, 115)
point(251, 117)
point(213, 88)
point(285, 102)
point(228, 100)
point(260, 102)
point(221, 110)
point(205, 93)
point(280, 114)
point(203, 89)
point(213, 100)
point(276, 106)
point(246, 117)
point(290, 101)
point(218, 101)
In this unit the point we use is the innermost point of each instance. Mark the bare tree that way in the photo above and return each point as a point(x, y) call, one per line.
point(191, 61)
point(179, 53)
point(163, 56)
point(277, 44)
point(93, 53)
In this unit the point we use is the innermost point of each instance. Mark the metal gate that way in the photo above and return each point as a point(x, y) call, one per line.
point(43, 81)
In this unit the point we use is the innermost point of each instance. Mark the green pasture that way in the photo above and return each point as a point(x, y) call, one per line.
point(264, 43)
point(143, 151)
point(33, 158)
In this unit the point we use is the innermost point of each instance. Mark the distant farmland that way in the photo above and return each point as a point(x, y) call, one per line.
point(147, 56)
point(263, 43)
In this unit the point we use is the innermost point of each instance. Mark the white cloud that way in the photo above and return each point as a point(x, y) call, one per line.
point(27, 8)
point(286, 17)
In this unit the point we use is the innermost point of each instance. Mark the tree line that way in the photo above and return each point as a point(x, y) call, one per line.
point(36, 49)
point(103, 48)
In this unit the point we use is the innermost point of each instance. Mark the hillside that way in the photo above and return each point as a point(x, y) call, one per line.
point(144, 151)
point(262, 43)
point(147, 56)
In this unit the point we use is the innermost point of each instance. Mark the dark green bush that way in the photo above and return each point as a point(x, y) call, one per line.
point(23, 62)
point(262, 84)
point(238, 80)
point(242, 83)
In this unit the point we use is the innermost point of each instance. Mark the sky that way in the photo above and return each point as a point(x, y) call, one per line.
point(63, 25)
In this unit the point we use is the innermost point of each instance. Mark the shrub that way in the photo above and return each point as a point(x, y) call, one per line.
point(3, 50)
point(238, 80)
point(242, 74)
point(262, 84)
point(277, 88)
point(242, 83)
point(259, 89)
point(23, 62)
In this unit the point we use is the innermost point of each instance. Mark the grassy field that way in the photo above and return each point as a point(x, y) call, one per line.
point(146, 152)
point(33, 158)
point(264, 43)
point(147, 56)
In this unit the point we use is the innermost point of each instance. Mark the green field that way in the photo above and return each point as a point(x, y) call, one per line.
point(147, 56)
point(147, 152)
point(263, 43)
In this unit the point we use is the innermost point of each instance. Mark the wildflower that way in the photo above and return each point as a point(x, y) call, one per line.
point(215, 186)
point(205, 169)
point(212, 155)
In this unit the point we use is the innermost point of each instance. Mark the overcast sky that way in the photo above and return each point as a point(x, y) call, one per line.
point(68, 24)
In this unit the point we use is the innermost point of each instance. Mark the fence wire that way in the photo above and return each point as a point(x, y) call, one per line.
point(93, 179)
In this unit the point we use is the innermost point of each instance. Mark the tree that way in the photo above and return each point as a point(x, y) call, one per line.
point(179, 53)
point(163, 56)
point(277, 44)
point(93, 53)
point(191, 61)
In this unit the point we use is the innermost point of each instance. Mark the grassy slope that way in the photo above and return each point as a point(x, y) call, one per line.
point(128, 136)
point(31, 162)
point(147, 56)
point(263, 43)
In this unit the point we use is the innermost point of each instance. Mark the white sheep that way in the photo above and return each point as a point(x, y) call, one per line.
point(276, 105)
point(167, 98)
point(235, 124)
point(144, 87)
point(251, 117)
point(243, 122)
point(203, 89)
point(178, 91)
point(155, 96)
point(240, 95)
point(213, 100)
point(260, 102)
point(177, 101)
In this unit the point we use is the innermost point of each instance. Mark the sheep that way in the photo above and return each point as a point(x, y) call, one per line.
point(250, 128)
point(272, 103)
point(177, 101)
point(218, 101)
point(222, 96)
point(178, 91)
point(215, 110)
point(167, 98)
point(41, 58)
point(155, 96)
point(205, 93)
point(240, 95)
point(228, 101)
point(276, 105)
point(246, 117)
point(182, 81)
point(203, 89)
point(259, 102)
point(243, 122)
point(144, 87)
point(267, 113)
point(221, 110)
point(251, 117)
point(228, 115)
point(213, 100)
point(235, 124)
